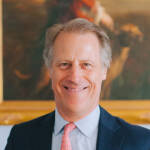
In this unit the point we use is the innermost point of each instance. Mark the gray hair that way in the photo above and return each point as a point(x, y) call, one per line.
point(82, 26)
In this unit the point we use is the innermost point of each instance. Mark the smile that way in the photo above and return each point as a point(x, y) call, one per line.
point(76, 89)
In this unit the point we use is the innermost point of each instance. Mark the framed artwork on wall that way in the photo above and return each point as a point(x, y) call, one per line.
point(24, 77)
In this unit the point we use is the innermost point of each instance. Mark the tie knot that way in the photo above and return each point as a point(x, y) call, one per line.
point(69, 127)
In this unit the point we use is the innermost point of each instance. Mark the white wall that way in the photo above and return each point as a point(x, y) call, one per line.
point(4, 132)
point(145, 126)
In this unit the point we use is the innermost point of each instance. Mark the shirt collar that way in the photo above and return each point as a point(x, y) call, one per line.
point(87, 125)
point(59, 123)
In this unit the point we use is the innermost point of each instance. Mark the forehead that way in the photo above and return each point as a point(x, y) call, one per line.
point(79, 34)
point(75, 44)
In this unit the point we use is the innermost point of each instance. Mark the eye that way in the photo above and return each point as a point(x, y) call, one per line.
point(64, 65)
point(87, 65)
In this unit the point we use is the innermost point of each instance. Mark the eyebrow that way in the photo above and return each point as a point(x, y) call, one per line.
point(66, 60)
point(86, 60)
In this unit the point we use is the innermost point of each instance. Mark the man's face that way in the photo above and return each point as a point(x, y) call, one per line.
point(76, 73)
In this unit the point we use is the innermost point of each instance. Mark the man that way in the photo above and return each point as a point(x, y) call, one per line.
point(77, 54)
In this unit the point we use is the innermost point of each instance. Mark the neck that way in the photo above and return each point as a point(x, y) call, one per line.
point(73, 116)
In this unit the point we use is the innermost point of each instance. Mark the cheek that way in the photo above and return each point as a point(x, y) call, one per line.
point(96, 81)
point(57, 78)
point(54, 79)
point(95, 77)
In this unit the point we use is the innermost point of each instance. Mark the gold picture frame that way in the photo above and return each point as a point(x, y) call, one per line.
point(1, 70)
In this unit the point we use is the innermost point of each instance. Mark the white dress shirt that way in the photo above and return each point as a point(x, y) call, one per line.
point(83, 137)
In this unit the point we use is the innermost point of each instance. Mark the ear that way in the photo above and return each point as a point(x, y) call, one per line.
point(50, 73)
point(104, 73)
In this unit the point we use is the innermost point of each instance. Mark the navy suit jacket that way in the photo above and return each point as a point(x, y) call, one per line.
point(113, 134)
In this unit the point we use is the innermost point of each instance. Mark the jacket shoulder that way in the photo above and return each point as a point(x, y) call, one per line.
point(30, 133)
point(37, 121)
point(135, 135)
point(32, 126)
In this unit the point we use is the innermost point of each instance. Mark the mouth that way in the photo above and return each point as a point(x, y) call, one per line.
point(75, 89)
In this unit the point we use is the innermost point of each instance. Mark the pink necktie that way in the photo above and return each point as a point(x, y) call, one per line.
point(66, 144)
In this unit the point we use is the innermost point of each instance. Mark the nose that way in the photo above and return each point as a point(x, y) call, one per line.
point(75, 73)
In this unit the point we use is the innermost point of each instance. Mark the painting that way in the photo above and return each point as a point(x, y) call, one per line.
point(127, 22)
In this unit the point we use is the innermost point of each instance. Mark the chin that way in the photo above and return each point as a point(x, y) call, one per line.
point(77, 107)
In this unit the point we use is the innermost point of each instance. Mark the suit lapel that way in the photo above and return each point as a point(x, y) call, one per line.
point(110, 133)
point(42, 135)
point(110, 136)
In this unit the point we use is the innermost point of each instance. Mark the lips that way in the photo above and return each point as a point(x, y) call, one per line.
point(75, 89)
point(75, 86)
